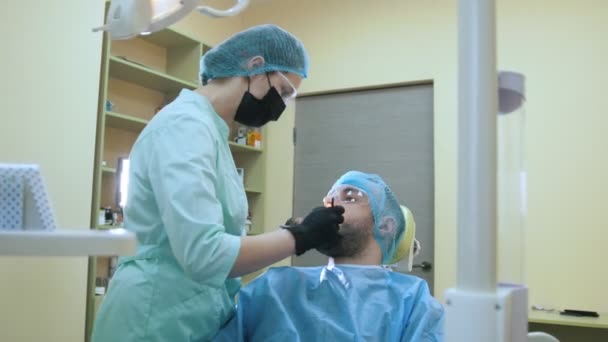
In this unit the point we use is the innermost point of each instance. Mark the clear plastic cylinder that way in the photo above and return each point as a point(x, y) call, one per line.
point(511, 179)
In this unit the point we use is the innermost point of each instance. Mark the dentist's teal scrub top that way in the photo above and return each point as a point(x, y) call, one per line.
point(187, 206)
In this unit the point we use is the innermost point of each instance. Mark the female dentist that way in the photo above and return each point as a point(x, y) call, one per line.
point(187, 204)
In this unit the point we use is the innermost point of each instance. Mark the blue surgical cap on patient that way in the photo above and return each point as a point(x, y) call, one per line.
point(280, 49)
point(389, 222)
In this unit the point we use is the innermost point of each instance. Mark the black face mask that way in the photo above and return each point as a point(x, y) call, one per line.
point(255, 112)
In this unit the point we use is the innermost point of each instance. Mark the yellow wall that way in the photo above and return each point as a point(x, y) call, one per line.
point(49, 88)
point(560, 46)
point(211, 30)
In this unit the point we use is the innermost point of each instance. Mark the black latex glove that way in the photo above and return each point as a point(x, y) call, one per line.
point(319, 228)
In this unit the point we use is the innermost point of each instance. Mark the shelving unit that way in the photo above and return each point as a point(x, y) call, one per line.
point(253, 161)
point(139, 76)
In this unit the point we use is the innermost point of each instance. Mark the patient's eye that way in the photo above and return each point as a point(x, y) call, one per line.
point(349, 197)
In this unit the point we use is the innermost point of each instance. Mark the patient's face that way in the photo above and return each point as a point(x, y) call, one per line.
point(358, 224)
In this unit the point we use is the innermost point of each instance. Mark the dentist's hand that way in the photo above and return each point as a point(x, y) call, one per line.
point(319, 228)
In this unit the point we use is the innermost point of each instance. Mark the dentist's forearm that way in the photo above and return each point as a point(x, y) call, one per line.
point(263, 250)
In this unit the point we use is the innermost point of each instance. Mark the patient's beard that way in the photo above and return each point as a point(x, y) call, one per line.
point(354, 239)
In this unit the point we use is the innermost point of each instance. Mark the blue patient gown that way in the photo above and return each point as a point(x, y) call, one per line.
point(350, 303)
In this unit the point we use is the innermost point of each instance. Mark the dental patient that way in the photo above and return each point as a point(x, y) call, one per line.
point(353, 298)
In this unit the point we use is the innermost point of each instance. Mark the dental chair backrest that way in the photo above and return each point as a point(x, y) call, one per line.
point(408, 247)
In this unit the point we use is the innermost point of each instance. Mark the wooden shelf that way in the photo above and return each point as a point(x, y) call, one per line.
point(169, 38)
point(239, 148)
point(106, 169)
point(127, 122)
point(253, 191)
point(106, 227)
point(146, 77)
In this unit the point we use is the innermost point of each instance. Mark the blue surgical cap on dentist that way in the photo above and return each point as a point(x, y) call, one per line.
point(280, 49)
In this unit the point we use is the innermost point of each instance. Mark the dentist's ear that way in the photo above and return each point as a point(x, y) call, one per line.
point(255, 62)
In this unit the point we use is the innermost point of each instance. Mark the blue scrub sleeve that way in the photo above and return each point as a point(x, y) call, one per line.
point(183, 175)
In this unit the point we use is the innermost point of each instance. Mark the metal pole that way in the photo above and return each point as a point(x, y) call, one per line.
point(478, 107)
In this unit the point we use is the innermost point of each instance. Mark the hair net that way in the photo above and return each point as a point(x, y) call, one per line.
point(280, 49)
point(389, 221)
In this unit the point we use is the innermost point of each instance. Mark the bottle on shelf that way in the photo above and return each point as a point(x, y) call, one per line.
point(258, 138)
point(254, 138)
point(250, 137)
point(248, 223)
point(241, 135)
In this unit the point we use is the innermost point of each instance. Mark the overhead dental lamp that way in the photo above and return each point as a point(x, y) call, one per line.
point(129, 18)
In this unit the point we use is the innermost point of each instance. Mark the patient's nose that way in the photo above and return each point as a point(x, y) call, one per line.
point(329, 201)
